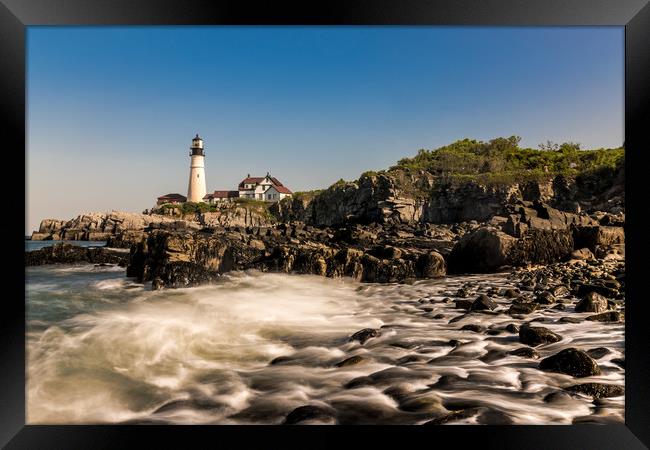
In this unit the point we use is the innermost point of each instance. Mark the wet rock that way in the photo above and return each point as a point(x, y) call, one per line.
point(425, 403)
point(357, 382)
point(592, 302)
point(598, 390)
point(351, 361)
point(410, 358)
point(535, 336)
point(493, 355)
point(557, 397)
point(559, 291)
point(545, 298)
point(431, 265)
point(525, 352)
point(598, 352)
point(473, 327)
point(463, 304)
point(512, 328)
point(494, 417)
point(582, 254)
point(620, 362)
point(568, 319)
point(522, 308)
point(397, 393)
point(462, 293)
point(453, 416)
point(510, 293)
point(309, 413)
point(609, 316)
point(482, 303)
point(364, 335)
point(570, 361)
point(438, 316)
point(280, 360)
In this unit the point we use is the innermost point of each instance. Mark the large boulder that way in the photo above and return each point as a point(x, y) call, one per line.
point(571, 361)
point(594, 236)
point(483, 250)
point(541, 247)
point(431, 265)
point(535, 336)
point(592, 302)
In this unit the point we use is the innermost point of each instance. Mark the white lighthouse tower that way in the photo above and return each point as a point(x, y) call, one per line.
point(196, 189)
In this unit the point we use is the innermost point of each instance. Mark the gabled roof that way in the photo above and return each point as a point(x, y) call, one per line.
point(257, 180)
point(176, 197)
point(283, 189)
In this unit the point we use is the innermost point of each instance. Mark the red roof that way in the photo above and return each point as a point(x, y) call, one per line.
point(257, 180)
point(225, 194)
point(173, 197)
point(283, 190)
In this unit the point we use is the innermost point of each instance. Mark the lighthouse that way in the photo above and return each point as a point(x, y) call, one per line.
point(196, 189)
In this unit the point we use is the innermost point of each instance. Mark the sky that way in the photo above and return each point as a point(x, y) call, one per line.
point(111, 111)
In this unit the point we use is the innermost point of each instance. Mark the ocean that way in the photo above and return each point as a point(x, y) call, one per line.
point(37, 245)
point(102, 348)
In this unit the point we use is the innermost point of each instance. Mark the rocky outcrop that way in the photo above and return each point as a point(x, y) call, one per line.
point(235, 215)
point(96, 226)
point(401, 196)
point(63, 253)
point(174, 258)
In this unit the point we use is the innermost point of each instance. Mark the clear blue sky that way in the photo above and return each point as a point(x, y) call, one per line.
point(112, 110)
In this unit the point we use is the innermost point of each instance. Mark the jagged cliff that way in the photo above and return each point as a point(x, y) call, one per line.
point(406, 196)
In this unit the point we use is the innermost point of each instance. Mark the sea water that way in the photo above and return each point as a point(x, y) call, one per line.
point(102, 348)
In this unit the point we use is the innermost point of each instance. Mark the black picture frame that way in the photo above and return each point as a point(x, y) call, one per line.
point(634, 15)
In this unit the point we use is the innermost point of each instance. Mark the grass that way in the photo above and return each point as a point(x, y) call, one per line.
point(502, 161)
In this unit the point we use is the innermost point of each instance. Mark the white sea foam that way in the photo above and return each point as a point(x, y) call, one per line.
point(203, 355)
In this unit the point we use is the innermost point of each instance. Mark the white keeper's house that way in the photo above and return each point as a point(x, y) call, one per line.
point(268, 188)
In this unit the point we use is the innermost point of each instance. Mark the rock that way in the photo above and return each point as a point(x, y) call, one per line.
point(535, 336)
point(512, 328)
point(426, 403)
point(559, 291)
point(483, 250)
point(492, 355)
point(351, 361)
point(64, 253)
point(593, 236)
point(541, 246)
point(525, 352)
point(571, 361)
point(569, 320)
point(453, 416)
point(511, 293)
point(582, 254)
point(522, 308)
point(310, 413)
point(364, 335)
point(598, 390)
point(592, 302)
point(609, 316)
point(545, 298)
point(482, 303)
point(431, 265)
point(473, 327)
point(280, 360)
point(463, 304)
point(598, 352)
